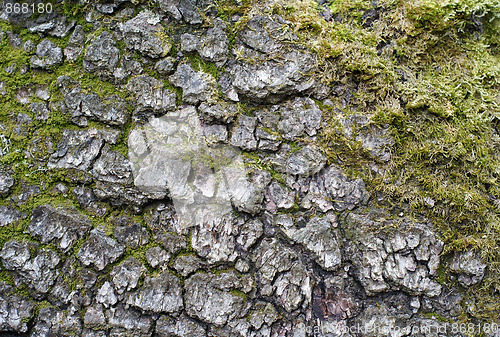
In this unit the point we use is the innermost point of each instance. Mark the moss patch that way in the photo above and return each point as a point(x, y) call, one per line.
point(431, 71)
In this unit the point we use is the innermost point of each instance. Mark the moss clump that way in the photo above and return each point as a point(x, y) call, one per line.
point(438, 317)
point(40, 305)
point(430, 70)
point(121, 145)
point(239, 293)
point(165, 40)
point(199, 64)
point(6, 276)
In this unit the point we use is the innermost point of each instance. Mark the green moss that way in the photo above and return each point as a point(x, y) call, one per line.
point(74, 11)
point(227, 8)
point(199, 64)
point(176, 90)
point(8, 233)
point(25, 320)
point(73, 283)
point(6, 276)
point(22, 290)
point(90, 83)
point(253, 160)
point(165, 40)
point(139, 254)
point(436, 316)
point(442, 275)
point(189, 247)
point(239, 293)
point(121, 145)
point(425, 69)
